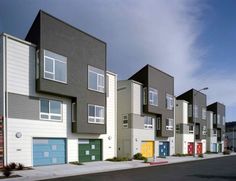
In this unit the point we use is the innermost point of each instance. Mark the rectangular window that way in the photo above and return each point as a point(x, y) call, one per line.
point(125, 121)
point(214, 132)
point(190, 110)
point(158, 123)
point(177, 128)
point(204, 113)
point(95, 114)
point(73, 112)
point(55, 67)
point(223, 119)
point(204, 131)
point(96, 79)
point(191, 129)
point(169, 102)
point(50, 110)
point(153, 97)
point(148, 122)
point(195, 109)
point(214, 118)
point(218, 119)
point(169, 124)
point(145, 95)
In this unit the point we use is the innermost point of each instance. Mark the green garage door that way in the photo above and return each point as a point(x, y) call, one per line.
point(90, 150)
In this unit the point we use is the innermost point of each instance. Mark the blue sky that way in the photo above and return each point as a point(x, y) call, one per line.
point(193, 40)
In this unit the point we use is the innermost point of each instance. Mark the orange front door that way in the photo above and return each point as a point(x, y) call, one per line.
point(190, 148)
point(199, 148)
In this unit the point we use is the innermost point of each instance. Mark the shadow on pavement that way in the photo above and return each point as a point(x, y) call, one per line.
point(214, 177)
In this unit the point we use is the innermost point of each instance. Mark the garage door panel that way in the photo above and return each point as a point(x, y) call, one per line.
point(48, 151)
point(90, 150)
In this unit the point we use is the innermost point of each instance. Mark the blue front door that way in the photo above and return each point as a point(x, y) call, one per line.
point(214, 147)
point(48, 151)
point(163, 148)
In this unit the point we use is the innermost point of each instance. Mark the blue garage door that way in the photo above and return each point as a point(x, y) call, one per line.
point(164, 149)
point(214, 147)
point(49, 151)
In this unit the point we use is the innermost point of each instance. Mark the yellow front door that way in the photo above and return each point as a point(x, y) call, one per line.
point(147, 149)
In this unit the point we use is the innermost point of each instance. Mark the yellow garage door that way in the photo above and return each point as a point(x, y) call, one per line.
point(147, 149)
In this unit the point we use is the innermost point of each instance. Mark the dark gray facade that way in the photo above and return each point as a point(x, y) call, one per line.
point(81, 50)
point(218, 121)
point(197, 98)
point(151, 77)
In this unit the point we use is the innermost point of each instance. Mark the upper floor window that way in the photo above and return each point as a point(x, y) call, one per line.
point(153, 97)
point(218, 119)
point(145, 95)
point(158, 126)
point(50, 110)
point(95, 114)
point(148, 122)
point(223, 119)
point(214, 118)
point(204, 131)
point(169, 124)
point(55, 67)
point(190, 110)
point(96, 79)
point(195, 109)
point(169, 102)
point(204, 113)
point(125, 121)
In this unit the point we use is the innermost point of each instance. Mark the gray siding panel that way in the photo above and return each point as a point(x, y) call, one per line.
point(23, 107)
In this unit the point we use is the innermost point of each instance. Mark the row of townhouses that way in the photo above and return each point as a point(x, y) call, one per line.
point(59, 103)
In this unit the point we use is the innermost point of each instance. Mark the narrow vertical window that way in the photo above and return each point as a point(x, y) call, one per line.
point(204, 113)
point(169, 102)
point(125, 121)
point(153, 96)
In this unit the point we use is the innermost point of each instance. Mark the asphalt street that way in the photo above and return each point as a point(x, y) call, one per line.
point(223, 168)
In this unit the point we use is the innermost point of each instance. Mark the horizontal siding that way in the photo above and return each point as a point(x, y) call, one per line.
point(20, 68)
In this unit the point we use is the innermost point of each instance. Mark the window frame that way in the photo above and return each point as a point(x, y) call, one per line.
point(195, 111)
point(148, 125)
point(169, 97)
point(95, 117)
point(170, 127)
point(125, 125)
point(190, 131)
point(98, 75)
point(204, 113)
point(53, 73)
point(50, 114)
point(153, 92)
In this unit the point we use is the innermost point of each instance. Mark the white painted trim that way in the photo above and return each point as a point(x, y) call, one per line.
point(19, 40)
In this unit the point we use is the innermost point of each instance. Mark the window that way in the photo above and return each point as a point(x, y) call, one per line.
point(223, 119)
point(190, 110)
point(169, 102)
point(145, 95)
point(50, 110)
point(218, 119)
point(214, 132)
point(204, 113)
point(153, 97)
point(125, 121)
point(191, 129)
point(169, 124)
point(148, 122)
point(214, 118)
point(95, 114)
point(204, 132)
point(73, 112)
point(96, 79)
point(177, 128)
point(158, 123)
point(195, 111)
point(55, 67)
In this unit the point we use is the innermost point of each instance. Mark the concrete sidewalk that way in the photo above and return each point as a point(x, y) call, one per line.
point(55, 171)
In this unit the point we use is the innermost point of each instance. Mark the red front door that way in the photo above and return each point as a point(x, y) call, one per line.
point(190, 148)
point(199, 148)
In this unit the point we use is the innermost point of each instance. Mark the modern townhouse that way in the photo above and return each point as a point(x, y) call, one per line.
point(145, 114)
point(230, 135)
point(184, 136)
point(58, 101)
point(216, 127)
point(197, 121)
